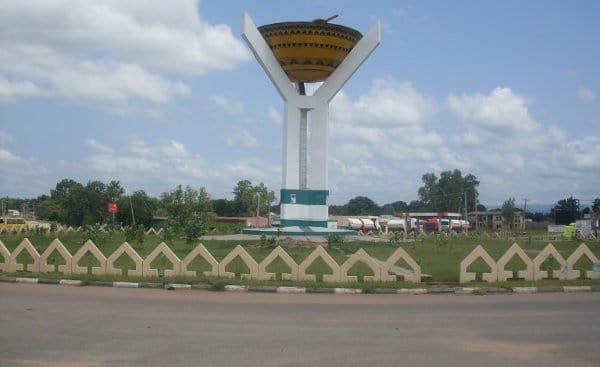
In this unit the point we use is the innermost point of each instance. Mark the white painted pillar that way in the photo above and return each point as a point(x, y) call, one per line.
point(304, 188)
point(318, 153)
point(291, 147)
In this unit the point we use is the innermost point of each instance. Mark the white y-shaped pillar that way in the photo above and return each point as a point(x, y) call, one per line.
point(304, 188)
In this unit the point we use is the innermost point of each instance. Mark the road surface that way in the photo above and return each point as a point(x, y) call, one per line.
point(49, 325)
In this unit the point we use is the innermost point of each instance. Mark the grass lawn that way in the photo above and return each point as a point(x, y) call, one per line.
point(438, 256)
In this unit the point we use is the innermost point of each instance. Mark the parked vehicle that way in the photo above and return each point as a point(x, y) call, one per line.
point(13, 224)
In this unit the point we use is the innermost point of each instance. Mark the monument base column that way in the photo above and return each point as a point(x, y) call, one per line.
point(304, 208)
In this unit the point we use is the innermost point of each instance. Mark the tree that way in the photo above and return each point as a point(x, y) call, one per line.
point(95, 212)
point(113, 191)
point(247, 197)
point(63, 188)
point(243, 198)
point(224, 207)
point(362, 205)
point(50, 209)
point(596, 205)
point(397, 206)
point(144, 208)
point(180, 204)
point(508, 211)
point(448, 192)
point(565, 211)
point(416, 205)
point(337, 210)
point(75, 205)
point(537, 216)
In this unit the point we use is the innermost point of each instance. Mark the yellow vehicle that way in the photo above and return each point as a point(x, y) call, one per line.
point(13, 224)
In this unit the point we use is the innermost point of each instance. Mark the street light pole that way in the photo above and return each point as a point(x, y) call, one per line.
point(258, 204)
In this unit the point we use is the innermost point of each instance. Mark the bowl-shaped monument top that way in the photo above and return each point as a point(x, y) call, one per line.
point(309, 51)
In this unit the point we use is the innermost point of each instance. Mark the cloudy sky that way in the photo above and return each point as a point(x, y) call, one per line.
point(161, 93)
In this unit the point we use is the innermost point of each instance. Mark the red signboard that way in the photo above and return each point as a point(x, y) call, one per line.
point(112, 208)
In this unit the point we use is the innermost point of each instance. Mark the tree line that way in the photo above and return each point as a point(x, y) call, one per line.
point(74, 203)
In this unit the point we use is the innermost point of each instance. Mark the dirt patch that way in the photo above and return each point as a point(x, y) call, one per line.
point(302, 243)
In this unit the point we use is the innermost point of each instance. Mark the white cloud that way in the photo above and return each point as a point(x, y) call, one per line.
point(584, 154)
point(114, 83)
point(13, 165)
point(92, 143)
point(161, 165)
point(113, 52)
point(349, 151)
point(586, 95)
point(122, 166)
point(6, 138)
point(10, 91)
point(388, 102)
point(500, 111)
point(227, 105)
point(241, 137)
point(7, 157)
point(467, 139)
point(274, 115)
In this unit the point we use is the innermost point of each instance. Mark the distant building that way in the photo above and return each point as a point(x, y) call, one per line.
point(493, 220)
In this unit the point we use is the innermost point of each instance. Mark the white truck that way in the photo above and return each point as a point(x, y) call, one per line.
point(453, 225)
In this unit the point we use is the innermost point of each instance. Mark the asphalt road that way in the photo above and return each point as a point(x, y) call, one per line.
point(48, 325)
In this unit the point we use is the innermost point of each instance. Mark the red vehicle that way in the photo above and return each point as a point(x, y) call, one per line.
point(432, 225)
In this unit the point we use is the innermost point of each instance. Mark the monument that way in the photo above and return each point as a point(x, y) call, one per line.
point(292, 54)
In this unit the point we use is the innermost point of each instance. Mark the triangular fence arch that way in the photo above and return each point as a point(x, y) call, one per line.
point(478, 252)
point(246, 258)
point(515, 249)
point(278, 252)
point(6, 255)
point(360, 256)
point(151, 231)
point(580, 252)
point(333, 265)
point(162, 248)
point(56, 245)
point(125, 248)
point(548, 251)
point(400, 253)
point(90, 247)
point(27, 246)
point(200, 250)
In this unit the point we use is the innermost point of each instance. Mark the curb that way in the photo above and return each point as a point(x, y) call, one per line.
point(574, 289)
point(175, 286)
point(303, 290)
point(525, 289)
point(291, 290)
point(70, 282)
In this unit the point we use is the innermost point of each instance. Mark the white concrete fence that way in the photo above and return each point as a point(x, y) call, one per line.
point(24, 228)
point(298, 272)
point(533, 267)
point(258, 271)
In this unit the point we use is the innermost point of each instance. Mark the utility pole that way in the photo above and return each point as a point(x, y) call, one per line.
point(466, 211)
point(257, 204)
point(476, 215)
point(525, 214)
point(132, 213)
